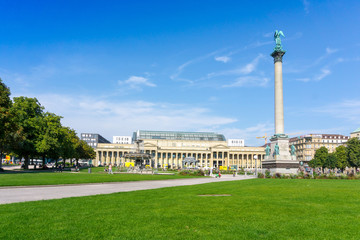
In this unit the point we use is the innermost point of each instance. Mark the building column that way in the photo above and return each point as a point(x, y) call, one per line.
point(97, 159)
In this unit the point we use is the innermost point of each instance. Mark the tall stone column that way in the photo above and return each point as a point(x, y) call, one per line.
point(278, 158)
point(279, 99)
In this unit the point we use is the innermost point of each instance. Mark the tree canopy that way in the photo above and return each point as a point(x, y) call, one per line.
point(29, 132)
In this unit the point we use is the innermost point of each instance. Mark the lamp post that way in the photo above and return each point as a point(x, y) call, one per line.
point(255, 157)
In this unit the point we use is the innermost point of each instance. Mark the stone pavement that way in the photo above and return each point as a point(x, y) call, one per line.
point(36, 193)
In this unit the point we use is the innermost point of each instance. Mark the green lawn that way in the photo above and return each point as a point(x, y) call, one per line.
point(53, 178)
point(256, 209)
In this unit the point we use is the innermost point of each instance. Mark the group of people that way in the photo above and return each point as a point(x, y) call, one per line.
point(108, 169)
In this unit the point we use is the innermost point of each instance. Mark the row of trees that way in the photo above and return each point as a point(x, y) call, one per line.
point(344, 156)
point(29, 132)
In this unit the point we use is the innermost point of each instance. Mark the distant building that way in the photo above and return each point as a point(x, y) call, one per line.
point(173, 149)
point(355, 133)
point(236, 142)
point(122, 139)
point(92, 139)
point(306, 145)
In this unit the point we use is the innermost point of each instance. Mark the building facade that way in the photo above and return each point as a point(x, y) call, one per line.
point(355, 133)
point(169, 149)
point(306, 145)
point(122, 139)
point(93, 139)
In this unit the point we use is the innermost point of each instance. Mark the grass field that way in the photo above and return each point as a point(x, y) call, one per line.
point(256, 209)
point(53, 178)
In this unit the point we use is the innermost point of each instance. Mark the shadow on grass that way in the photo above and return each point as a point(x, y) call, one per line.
point(22, 171)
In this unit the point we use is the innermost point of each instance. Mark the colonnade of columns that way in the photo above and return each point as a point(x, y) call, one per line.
point(173, 159)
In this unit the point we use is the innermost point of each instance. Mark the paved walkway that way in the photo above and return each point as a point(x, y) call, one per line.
point(36, 193)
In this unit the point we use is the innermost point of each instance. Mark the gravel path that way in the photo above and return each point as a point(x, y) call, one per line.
point(36, 193)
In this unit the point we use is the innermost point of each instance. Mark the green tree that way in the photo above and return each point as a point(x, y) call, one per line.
point(6, 120)
point(353, 152)
point(68, 144)
point(49, 141)
point(341, 157)
point(84, 151)
point(28, 114)
point(320, 157)
point(330, 161)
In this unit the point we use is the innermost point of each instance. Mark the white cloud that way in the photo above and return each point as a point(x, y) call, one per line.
point(251, 81)
point(250, 67)
point(247, 69)
point(223, 59)
point(324, 72)
point(89, 114)
point(181, 68)
point(136, 82)
point(330, 51)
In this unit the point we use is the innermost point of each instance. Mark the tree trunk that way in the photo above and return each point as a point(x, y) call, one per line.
point(56, 163)
point(43, 162)
point(26, 163)
point(64, 160)
point(1, 153)
point(77, 162)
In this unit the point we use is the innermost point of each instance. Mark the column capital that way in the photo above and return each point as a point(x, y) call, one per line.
point(277, 55)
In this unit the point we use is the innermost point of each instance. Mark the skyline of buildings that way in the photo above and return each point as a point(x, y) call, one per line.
point(170, 148)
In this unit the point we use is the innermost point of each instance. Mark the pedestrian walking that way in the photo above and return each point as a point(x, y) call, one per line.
point(110, 169)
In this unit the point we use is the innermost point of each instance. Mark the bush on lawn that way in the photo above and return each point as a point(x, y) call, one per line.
point(260, 175)
point(267, 174)
point(192, 173)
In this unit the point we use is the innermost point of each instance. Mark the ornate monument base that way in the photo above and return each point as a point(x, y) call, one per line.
point(279, 159)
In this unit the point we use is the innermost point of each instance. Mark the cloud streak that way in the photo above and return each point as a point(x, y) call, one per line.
point(247, 69)
point(306, 5)
point(223, 59)
point(347, 109)
point(137, 82)
point(251, 81)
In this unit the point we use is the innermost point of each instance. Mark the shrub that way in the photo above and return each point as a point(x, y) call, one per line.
point(184, 172)
point(267, 174)
point(351, 176)
point(192, 173)
point(293, 176)
point(332, 176)
point(343, 176)
point(260, 175)
point(277, 175)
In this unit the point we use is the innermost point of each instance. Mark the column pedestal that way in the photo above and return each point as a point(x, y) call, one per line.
point(283, 162)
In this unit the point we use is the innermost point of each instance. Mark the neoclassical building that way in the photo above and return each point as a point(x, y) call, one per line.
point(169, 149)
point(306, 145)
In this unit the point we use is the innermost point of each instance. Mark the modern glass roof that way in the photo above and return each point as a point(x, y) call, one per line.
point(172, 135)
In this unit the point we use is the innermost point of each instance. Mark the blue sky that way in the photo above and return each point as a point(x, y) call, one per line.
point(112, 67)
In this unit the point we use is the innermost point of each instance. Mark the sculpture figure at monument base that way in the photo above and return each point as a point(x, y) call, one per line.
point(281, 160)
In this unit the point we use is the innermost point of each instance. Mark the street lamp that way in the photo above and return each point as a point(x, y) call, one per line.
point(255, 157)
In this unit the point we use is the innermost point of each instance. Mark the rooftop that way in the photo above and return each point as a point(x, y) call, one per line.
point(357, 130)
point(175, 135)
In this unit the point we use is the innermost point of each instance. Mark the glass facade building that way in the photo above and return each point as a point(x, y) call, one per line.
point(172, 135)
